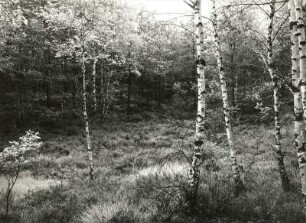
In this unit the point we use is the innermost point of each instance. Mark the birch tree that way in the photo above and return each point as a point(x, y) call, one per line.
point(73, 15)
point(86, 120)
point(270, 65)
point(298, 70)
point(194, 175)
point(276, 101)
point(226, 106)
point(94, 78)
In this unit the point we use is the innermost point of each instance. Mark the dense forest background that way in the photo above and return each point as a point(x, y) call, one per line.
point(131, 77)
point(142, 65)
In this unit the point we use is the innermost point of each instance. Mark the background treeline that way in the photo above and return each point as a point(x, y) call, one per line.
point(136, 65)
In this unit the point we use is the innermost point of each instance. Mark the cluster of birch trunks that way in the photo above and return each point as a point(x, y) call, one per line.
point(298, 88)
point(201, 108)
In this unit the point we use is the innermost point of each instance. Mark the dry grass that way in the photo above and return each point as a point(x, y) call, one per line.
point(135, 183)
point(168, 170)
point(26, 183)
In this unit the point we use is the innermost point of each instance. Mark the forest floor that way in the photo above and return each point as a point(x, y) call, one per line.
point(27, 182)
point(141, 171)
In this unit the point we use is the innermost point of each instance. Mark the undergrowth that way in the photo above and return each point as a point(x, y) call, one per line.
point(141, 176)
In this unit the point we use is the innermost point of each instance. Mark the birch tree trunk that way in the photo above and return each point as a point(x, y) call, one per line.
point(88, 139)
point(302, 50)
point(276, 86)
point(102, 95)
point(106, 91)
point(226, 106)
point(194, 174)
point(128, 100)
point(234, 78)
point(298, 85)
point(236, 94)
point(94, 78)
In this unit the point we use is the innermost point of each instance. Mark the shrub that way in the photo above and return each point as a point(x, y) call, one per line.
point(13, 158)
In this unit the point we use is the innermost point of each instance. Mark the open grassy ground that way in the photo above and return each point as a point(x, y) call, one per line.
point(27, 183)
point(141, 171)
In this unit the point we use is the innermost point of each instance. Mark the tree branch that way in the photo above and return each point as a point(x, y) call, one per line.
point(280, 7)
point(259, 6)
point(250, 4)
point(190, 4)
point(279, 28)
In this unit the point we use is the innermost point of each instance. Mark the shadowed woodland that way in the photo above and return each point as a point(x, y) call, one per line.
point(111, 113)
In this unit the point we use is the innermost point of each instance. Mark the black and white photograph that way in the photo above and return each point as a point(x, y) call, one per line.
point(152, 111)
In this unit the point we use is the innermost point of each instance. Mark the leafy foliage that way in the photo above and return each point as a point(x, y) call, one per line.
point(20, 152)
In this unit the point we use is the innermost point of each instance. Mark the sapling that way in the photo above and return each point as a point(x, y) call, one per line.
point(14, 157)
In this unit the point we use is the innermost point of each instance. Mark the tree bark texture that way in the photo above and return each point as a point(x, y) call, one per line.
point(194, 174)
point(226, 107)
point(87, 131)
point(276, 102)
point(94, 78)
point(298, 87)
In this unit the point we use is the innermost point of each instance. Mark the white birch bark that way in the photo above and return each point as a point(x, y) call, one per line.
point(298, 83)
point(87, 131)
point(226, 105)
point(276, 106)
point(94, 78)
point(201, 116)
point(302, 50)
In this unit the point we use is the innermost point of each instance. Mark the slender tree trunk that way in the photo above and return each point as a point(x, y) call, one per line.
point(226, 108)
point(105, 92)
point(94, 77)
point(275, 80)
point(74, 91)
point(194, 175)
point(65, 85)
point(159, 91)
point(298, 82)
point(234, 77)
point(47, 63)
point(244, 83)
point(148, 94)
point(48, 92)
point(101, 94)
point(108, 91)
point(236, 93)
point(128, 102)
point(87, 131)
point(75, 71)
point(10, 185)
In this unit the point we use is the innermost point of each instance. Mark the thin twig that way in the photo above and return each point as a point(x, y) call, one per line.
point(190, 4)
point(242, 4)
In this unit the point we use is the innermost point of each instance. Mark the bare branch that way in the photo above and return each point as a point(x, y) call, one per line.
point(190, 4)
point(280, 27)
point(280, 7)
point(172, 13)
point(180, 26)
point(250, 4)
point(261, 8)
point(204, 17)
point(286, 84)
